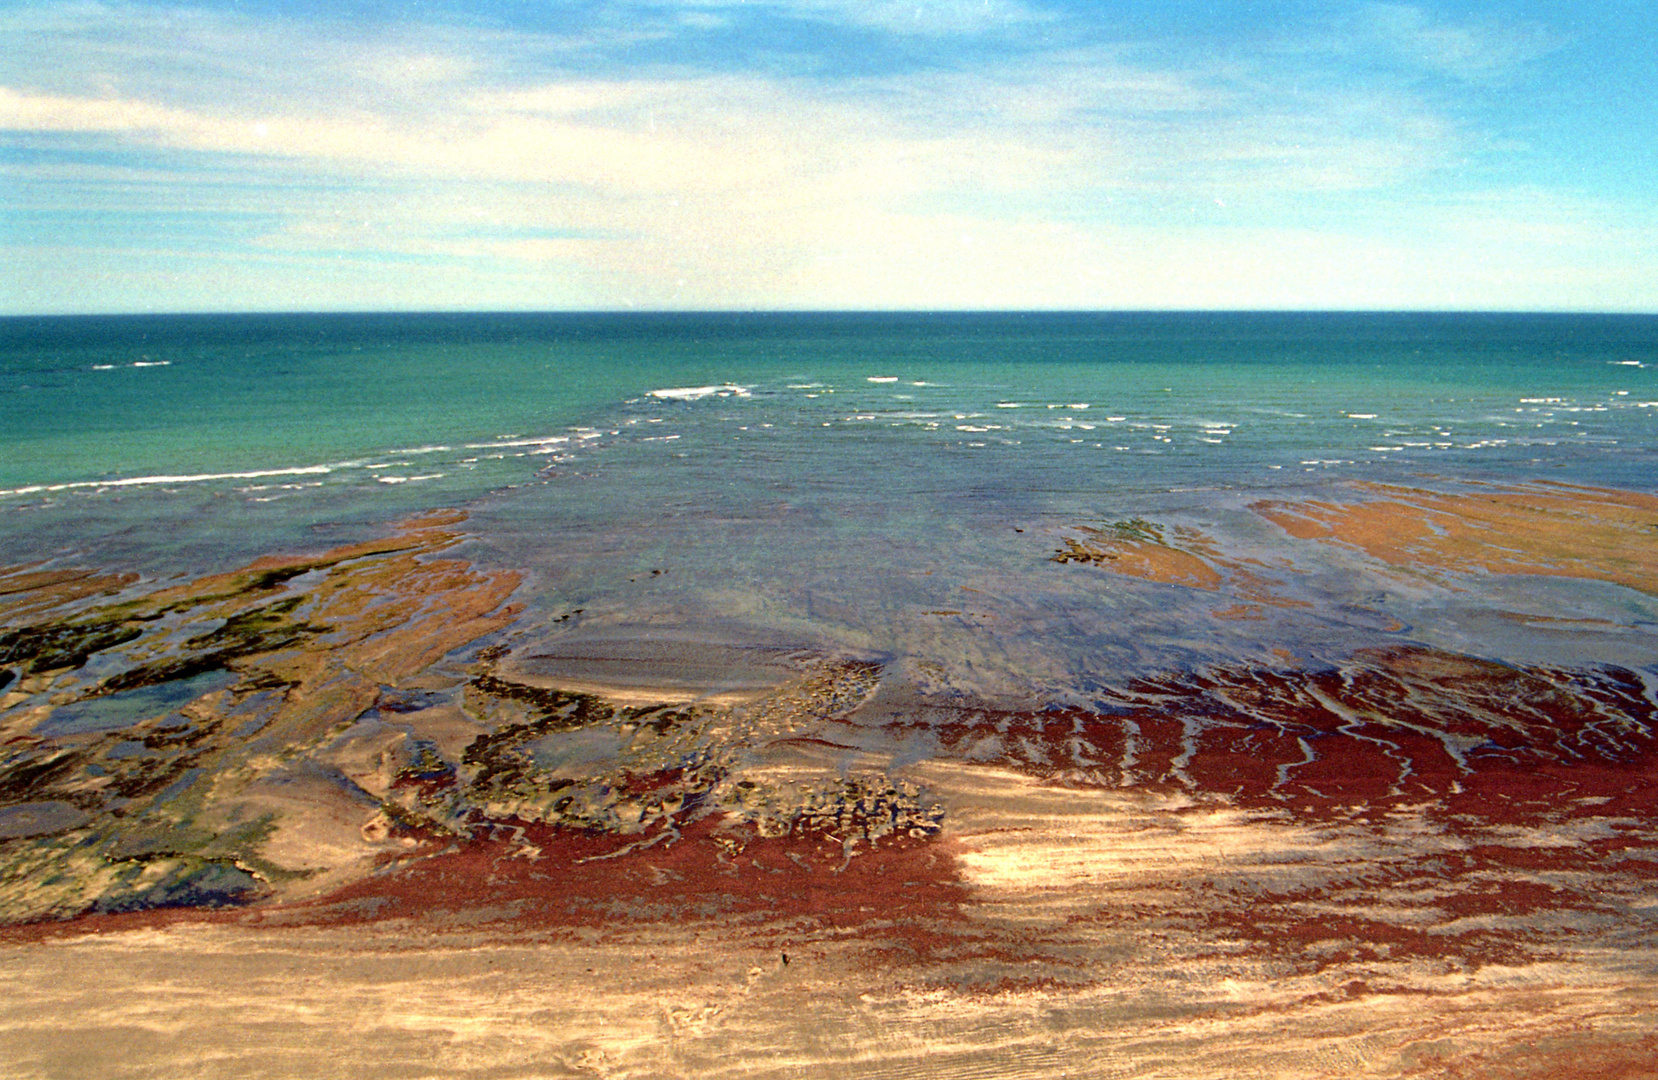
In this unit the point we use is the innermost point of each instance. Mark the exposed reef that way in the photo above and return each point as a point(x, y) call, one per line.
point(1179, 555)
point(274, 733)
point(183, 723)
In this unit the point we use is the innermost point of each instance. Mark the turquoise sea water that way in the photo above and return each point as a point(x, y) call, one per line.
point(826, 477)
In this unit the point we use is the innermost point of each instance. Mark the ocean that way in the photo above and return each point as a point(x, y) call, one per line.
point(830, 694)
point(826, 475)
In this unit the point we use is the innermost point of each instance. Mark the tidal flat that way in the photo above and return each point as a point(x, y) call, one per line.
point(384, 810)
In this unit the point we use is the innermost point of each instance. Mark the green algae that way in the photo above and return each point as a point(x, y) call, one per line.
point(62, 646)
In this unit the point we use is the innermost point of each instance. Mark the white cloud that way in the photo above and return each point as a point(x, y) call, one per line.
point(1087, 177)
point(447, 105)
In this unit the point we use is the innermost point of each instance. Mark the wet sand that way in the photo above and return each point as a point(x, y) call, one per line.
point(400, 833)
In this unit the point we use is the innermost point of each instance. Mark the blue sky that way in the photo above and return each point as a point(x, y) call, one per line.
point(926, 154)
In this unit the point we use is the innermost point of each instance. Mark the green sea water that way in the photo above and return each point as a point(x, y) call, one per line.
point(815, 476)
point(117, 398)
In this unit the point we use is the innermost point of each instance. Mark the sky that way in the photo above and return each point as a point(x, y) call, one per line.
point(279, 155)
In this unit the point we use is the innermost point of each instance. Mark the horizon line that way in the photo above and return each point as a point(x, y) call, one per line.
point(764, 311)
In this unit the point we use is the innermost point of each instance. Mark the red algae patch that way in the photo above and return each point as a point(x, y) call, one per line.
point(525, 877)
point(90, 925)
point(1571, 1056)
point(1403, 820)
point(1546, 529)
point(1387, 728)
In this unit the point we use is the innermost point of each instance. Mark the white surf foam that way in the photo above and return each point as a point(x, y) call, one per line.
point(696, 393)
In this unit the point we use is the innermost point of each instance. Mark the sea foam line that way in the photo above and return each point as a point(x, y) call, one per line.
point(549, 441)
point(193, 478)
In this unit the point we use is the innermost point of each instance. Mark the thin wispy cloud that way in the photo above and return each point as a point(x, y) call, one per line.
point(1474, 50)
point(928, 18)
